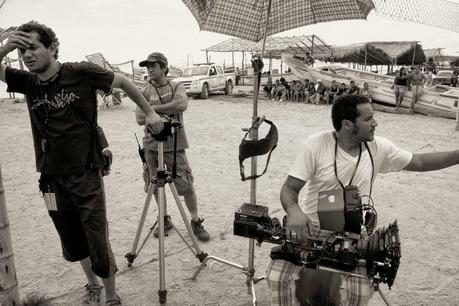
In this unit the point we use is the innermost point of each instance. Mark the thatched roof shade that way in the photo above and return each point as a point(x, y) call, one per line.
point(274, 46)
point(379, 53)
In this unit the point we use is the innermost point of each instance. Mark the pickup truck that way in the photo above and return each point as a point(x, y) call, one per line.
point(201, 79)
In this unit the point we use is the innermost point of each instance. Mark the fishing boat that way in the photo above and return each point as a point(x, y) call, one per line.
point(438, 100)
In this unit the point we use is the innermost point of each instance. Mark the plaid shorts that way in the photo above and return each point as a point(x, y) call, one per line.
point(282, 276)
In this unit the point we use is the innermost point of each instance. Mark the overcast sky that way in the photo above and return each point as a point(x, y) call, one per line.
point(123, 30)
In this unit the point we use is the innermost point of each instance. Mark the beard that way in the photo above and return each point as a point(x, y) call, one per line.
point(40, 69)
point(368, 137)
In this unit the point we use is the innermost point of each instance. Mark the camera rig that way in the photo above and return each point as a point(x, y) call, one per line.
point(341, 251)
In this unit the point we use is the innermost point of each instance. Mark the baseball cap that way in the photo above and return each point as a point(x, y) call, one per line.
point(154, 57)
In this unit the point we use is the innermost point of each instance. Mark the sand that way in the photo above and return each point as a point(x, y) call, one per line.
point(425, 205)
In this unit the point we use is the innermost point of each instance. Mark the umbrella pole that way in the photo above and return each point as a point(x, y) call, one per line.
point(253, 184)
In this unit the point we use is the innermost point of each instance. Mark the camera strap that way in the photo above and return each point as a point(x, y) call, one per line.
point(356, 166)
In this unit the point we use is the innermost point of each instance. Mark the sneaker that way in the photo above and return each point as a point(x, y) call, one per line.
point(199, 230)
point(167, 226)
point(92, 295)
point(113, 302)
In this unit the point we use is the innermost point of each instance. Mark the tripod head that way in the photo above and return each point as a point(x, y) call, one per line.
point(169, 128)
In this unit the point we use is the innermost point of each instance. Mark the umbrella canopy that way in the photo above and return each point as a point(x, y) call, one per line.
point(247, 19)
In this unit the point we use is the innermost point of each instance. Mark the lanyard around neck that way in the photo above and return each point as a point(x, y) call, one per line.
point(356, 166)
point(336, 167)
point(157, 91)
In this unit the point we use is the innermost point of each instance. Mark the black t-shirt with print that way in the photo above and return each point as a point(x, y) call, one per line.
point(61, 112)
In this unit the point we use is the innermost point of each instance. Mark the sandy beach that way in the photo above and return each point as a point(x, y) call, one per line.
point(426, 206)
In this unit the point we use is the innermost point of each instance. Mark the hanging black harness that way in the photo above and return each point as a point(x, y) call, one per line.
point(249, 148)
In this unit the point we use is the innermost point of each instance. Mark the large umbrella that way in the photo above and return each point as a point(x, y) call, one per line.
point(254, 20)
point(248, 19)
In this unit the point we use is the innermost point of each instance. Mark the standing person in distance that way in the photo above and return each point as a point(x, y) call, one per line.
point(169, 98)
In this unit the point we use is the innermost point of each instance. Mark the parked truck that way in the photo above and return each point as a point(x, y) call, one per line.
point(201, 79)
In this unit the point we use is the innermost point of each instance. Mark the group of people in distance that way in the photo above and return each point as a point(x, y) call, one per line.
point(310, 92)
point(414, 81)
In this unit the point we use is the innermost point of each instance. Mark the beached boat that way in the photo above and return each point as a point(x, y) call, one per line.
point(438, 100)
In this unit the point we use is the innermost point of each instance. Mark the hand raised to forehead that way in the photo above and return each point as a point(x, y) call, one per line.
point(18, 39)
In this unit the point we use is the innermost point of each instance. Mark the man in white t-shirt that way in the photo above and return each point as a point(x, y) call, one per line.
point(350, 147)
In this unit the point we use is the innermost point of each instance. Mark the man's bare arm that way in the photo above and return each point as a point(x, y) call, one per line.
point(433, 161)
point(299, 226)
point(153, 121)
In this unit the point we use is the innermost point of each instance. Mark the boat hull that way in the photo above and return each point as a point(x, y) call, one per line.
point(437, 100)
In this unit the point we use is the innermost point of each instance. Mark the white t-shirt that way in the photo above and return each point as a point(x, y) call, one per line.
point(315, 165)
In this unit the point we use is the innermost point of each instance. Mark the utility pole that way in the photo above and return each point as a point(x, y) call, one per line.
point(9, 292)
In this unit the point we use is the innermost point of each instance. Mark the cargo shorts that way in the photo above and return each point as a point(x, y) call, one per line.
point(184, 180)
point(80, 219)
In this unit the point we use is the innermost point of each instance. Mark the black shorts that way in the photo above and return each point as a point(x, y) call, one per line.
point(80, 220)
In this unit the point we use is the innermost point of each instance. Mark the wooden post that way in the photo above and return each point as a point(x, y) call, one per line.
point(132, 67)
point(312, 46)
point(9, 292)
point(242, 71)
point(366, 55)
point(414, 55)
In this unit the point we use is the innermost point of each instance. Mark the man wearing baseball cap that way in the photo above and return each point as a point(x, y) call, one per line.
point(169, 98)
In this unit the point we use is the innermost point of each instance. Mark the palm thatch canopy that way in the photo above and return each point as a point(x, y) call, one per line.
point(379, 53)
point(274, 46)
point(369, 53)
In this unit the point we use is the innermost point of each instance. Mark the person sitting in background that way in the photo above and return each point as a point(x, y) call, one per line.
point(297, 91)
point(280, 92)
point(353, 89)
point(332, 92)
point(311, 91)
point(319, 94)
point(269, 84)
point(305, 88)
point(286, 93)
point(342, 89)
point(274, 90)
point(366, 91)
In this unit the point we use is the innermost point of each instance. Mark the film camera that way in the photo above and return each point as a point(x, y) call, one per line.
point(343, 248)
point(168, 130)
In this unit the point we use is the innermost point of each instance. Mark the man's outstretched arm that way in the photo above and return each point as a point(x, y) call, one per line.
point(433, 161)
point(153, 121)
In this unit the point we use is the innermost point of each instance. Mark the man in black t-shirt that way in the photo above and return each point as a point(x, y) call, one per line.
point(62, 104)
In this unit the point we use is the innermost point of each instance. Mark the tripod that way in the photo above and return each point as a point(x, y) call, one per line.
point(159, 181)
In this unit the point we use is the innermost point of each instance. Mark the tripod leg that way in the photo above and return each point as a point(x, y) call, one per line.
point(383, 297)
point(162, 266)
point(132, 255)
point(199, 253)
